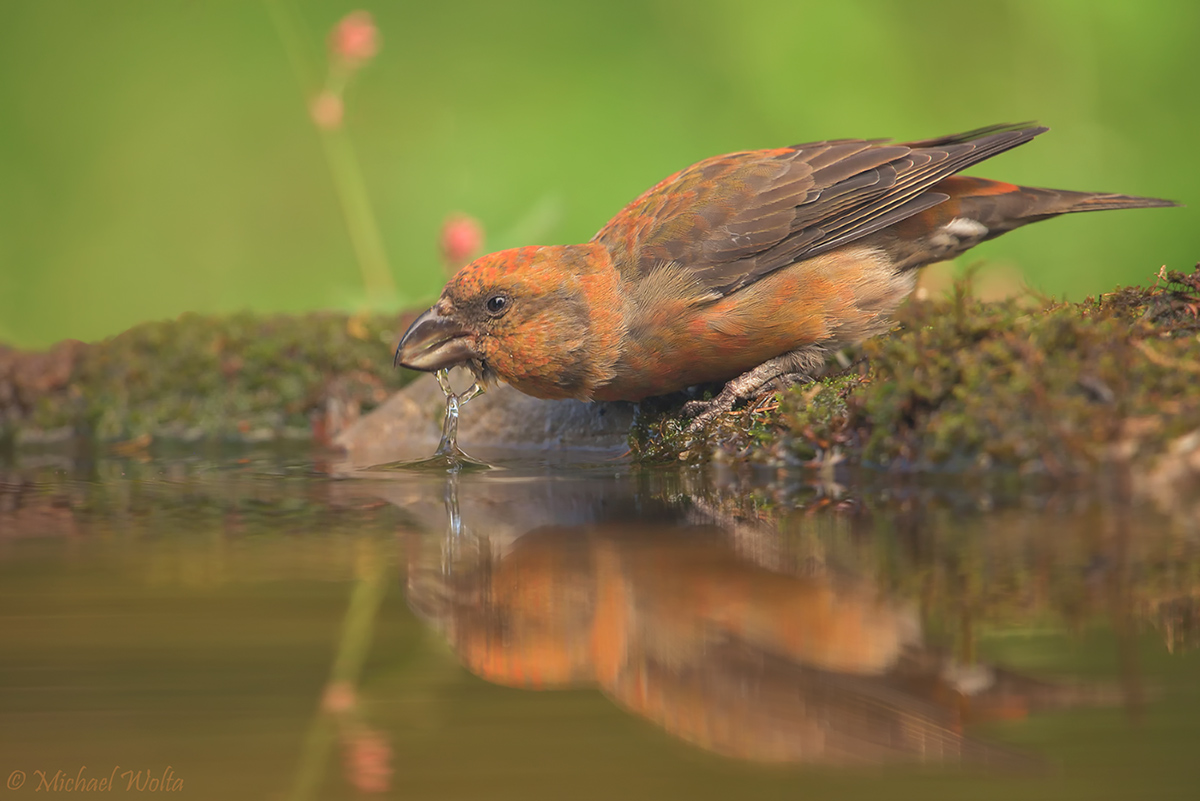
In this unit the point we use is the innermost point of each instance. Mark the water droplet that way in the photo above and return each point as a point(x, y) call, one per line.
point(448, 457)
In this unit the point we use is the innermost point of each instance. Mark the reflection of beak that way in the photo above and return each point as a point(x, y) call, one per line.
point(435, 341)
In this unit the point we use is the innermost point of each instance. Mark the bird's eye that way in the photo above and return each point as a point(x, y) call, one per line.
point(497, 304)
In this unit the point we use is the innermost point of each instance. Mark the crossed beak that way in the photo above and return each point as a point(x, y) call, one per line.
point(434, 341)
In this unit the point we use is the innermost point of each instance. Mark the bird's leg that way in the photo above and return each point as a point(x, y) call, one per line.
point(781, 382)
point(776, 374)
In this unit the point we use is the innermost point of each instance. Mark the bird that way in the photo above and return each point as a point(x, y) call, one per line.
point(747, 269)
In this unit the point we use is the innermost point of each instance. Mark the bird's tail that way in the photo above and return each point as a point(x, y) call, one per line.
point(978, 209)
point(1043, 203)
point(1002, 207)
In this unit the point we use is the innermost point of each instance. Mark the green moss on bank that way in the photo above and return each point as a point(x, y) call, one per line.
point(245, 376)
point(1024, 383)
point(1036, 386)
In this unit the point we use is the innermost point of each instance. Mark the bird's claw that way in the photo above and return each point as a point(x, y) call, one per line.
point(704, 412)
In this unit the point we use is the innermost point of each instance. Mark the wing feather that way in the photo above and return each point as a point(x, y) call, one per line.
point(730, 220)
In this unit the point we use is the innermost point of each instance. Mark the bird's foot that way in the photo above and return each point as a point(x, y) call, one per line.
point(704, 412)
point(771, 376)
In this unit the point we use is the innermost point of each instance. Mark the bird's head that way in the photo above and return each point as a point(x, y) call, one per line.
point(539, 318)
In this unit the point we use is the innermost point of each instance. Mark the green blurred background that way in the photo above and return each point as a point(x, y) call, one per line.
point(157, 156)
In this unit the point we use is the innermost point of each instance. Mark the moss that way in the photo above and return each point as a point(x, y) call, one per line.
point(660, 430)
point(243, 376)
point(1037, 386)
point(1034, 385)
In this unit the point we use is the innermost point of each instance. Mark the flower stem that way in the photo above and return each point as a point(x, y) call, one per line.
point(345, 170)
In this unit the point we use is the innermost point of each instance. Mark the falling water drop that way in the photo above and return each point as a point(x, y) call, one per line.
point(448, 457)
point(448, 448)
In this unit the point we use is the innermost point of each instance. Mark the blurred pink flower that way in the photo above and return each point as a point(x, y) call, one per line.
point(462, 239)
point(355, 40)
point(326, 110)
point(339, 697)
point(369, 761)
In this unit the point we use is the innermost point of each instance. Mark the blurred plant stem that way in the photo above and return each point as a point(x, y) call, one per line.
point(358, 628)
point(378, 284)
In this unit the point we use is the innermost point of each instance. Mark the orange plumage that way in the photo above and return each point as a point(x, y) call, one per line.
point(747, 268)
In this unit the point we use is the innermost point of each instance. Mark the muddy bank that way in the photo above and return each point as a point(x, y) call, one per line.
point(243, 377)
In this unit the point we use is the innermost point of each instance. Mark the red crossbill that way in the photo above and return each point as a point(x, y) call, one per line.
point(747, 268)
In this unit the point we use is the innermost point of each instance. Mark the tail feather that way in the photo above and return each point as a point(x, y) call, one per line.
point(1100, 201)
point(978, 209)
point(1021, 205)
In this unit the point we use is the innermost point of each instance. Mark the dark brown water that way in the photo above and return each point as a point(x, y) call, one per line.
point(247, 626)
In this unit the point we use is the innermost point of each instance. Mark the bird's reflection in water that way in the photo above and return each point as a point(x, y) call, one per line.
point(664, 609)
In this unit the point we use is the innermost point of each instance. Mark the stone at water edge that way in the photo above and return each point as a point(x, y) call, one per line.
point(409, 424)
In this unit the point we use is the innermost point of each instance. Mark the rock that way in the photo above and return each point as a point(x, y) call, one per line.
point(1172, 481)
point(26, 376)
point(409, 424)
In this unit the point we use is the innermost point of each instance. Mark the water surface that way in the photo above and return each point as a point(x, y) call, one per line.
point(248, 625)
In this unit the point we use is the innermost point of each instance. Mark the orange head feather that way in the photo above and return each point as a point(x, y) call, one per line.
point(544, 319)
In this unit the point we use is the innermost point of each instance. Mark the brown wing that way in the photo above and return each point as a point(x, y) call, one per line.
point(732, 219)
